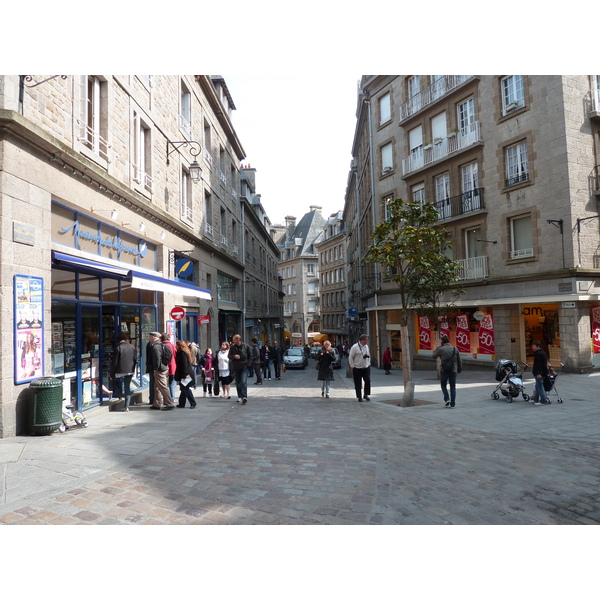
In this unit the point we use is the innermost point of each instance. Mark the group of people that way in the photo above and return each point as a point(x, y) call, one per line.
point(261, 360)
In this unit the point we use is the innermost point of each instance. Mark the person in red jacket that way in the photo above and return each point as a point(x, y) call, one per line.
point(387, 360)
point(166, 339)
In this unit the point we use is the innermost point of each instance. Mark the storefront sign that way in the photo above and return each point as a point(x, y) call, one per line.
point(486, 335)
point(596, 329)
point(424, 333)
point(108, 241)
point(203, 319)
point(177, 313)
point(463, 333)
point(28, 328)
point(444, 326)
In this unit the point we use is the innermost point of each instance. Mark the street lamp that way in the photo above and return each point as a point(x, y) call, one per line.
point(195, 149)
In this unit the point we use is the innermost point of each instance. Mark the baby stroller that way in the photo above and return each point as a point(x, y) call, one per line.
point(510, 381)
point(550, 384)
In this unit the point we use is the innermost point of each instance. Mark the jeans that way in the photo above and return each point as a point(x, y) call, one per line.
point(267, 369)
point(277, 367)
point(241, 383)
point(446, 378)
point(172, 385)
point(540, 391)
point(186, 393)
point(325, 387)
point(123, 388)
point(258, 375)
point(359, 375)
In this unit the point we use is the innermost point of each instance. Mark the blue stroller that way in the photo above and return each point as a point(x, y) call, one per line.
point(510, 381)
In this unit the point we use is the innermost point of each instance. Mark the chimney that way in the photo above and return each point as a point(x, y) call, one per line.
point(314, 207)
point(290, 225)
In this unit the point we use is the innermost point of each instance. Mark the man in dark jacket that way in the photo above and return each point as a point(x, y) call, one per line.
point(122, 368)
point(451, 364)
point(239, 355)
point(162, 395)
point(255, 361)
point(539, 370)
point(277, 358)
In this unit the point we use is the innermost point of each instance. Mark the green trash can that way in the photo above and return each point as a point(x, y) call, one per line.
point(46, 411)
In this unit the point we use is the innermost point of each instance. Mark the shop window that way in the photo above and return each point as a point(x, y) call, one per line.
point(129, 294)
point(63, 284)
point(110, 290)
point(89, 287)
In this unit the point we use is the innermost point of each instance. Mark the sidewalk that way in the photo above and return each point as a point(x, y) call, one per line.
point(290, 456)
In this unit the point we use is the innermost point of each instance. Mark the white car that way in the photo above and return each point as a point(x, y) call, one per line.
point(295, 358)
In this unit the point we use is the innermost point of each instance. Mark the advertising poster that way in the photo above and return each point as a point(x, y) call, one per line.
point(463, 333)
point(28, 328)
point(444, 326)
point(486, 335)
point(596, 329)
point(424, 333)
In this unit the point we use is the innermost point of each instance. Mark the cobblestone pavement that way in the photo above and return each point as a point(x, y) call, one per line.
point(292, 457)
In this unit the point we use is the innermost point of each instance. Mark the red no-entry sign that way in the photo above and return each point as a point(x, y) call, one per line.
point(177, 313)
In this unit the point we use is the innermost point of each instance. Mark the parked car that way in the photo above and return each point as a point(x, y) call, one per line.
point(314, 350)
point(294, 358)
point(337, 363)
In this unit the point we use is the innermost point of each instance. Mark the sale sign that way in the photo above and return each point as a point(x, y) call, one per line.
point(596, 329)
point(424, 333)
point(203, 319)
point(444, 326)
point(463, 333)
point(486, 335)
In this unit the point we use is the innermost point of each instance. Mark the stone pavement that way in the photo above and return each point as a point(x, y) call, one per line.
point(292, 457)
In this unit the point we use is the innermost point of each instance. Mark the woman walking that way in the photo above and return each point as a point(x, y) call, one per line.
point(184, 373)
point(208, 372)
point(387, 361)
point(223, 368)
point(324, 360)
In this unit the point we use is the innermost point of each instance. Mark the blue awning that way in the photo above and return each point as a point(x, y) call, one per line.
point(138, 279)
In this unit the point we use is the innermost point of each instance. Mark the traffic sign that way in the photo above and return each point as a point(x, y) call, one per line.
point(177, 313)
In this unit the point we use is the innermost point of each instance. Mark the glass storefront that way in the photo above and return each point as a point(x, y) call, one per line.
point(88, 313)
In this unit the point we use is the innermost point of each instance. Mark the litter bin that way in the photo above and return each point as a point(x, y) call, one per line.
point(46, 411)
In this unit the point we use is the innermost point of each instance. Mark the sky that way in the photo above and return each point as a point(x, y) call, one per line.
point(298, 137)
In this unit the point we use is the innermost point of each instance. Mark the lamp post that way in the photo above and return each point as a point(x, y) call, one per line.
point(194, 149)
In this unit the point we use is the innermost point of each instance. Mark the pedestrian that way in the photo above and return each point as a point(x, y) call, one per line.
point(123, 367)
point(207, 371)
point(539, 370)
point(255, 361)
point(277, 358)
point(166, 339)
point(185, 375)
point(239, 355)
point(307, 350)
point(150, 372)
point(162, 397)
point(325, 359)
point(359, 360)
point(266, 356)
point(387, 360)
point(193, 353)
point(451, 364)
point(225, 377)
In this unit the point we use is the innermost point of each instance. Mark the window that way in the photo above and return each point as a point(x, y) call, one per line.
point(513, 96)
point(414, 94)
point(310, 269)
point(442, 195)
point(521, 239)
point(186, 196)
point(387, 160)
point(311, 288)
point(470, 187)
point(185, 111)
point(517, 164)
point(473, 243)
point(385, 111)
point(208, 228)
point(93, 128)
point(466, 116)
point(141, 148)
point(415, 140)
point(437, 86)
point(418, 193)
point(386, 210)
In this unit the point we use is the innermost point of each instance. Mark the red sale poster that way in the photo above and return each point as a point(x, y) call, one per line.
point(596, 329)
point(444, 326)
point(424, 334)
point(463, 335)
point(486, 335)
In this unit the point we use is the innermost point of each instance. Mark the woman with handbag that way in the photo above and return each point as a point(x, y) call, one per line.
point(225, 376)
point(208, 372)
point(185, 375)
point(325, 359)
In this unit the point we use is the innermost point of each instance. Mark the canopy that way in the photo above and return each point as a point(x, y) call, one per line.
point(320, 337)
point(286, 334)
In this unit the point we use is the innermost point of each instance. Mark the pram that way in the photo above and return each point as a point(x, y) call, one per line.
point(510, 380)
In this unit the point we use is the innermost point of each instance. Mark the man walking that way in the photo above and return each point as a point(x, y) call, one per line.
point(539, 370)
point(359, 360)
point(277, 358)
point(239, 355)
point(451, 365)
point(266, 355)
point(255, 361)
point(162, 395)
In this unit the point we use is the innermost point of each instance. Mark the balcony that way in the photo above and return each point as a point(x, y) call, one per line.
point(462, 204)
point(595, 103)
point(208, 229)
point(224, 240)
point(433, 93)
point(141, 177)
point(442, 148)
point(473, 268)
point(93, 140)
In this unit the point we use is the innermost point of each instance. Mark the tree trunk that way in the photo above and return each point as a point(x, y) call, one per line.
point(408, 396)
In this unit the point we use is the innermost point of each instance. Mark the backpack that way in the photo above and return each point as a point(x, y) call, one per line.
point(167, 355)
point(448, 363)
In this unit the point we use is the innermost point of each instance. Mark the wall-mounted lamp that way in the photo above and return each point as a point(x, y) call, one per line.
point(114, 213)
point(195, 149)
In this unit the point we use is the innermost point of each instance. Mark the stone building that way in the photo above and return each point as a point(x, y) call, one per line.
point(511, 163)
point(332, 278)
point(121, 211)
point(299, 270)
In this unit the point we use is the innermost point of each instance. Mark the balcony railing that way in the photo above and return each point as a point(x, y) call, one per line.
point(208, 229)
point(523, 253)
point(141, 177)
point(442, 148)
point(93, 140)
point(459, 205)
point(595, 94)
point(223, 240)
point(473, 268)
point(435, 91)
point(185, 126)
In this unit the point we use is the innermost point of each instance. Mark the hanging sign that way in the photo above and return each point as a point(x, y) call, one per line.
point(463, 333)
point(203, 319)
point(486, 335)
point(177, 313)
point(444, 326)
point(424, 333)
point(596, 329)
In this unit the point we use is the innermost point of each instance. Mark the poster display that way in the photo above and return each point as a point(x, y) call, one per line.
point(486, 335)
point(463, 333)
point(28, 328)
point(424, 333)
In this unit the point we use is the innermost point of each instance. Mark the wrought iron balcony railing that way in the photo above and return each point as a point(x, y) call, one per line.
point(464, 203)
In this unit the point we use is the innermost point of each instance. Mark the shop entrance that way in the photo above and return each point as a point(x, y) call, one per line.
point(541, 325)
